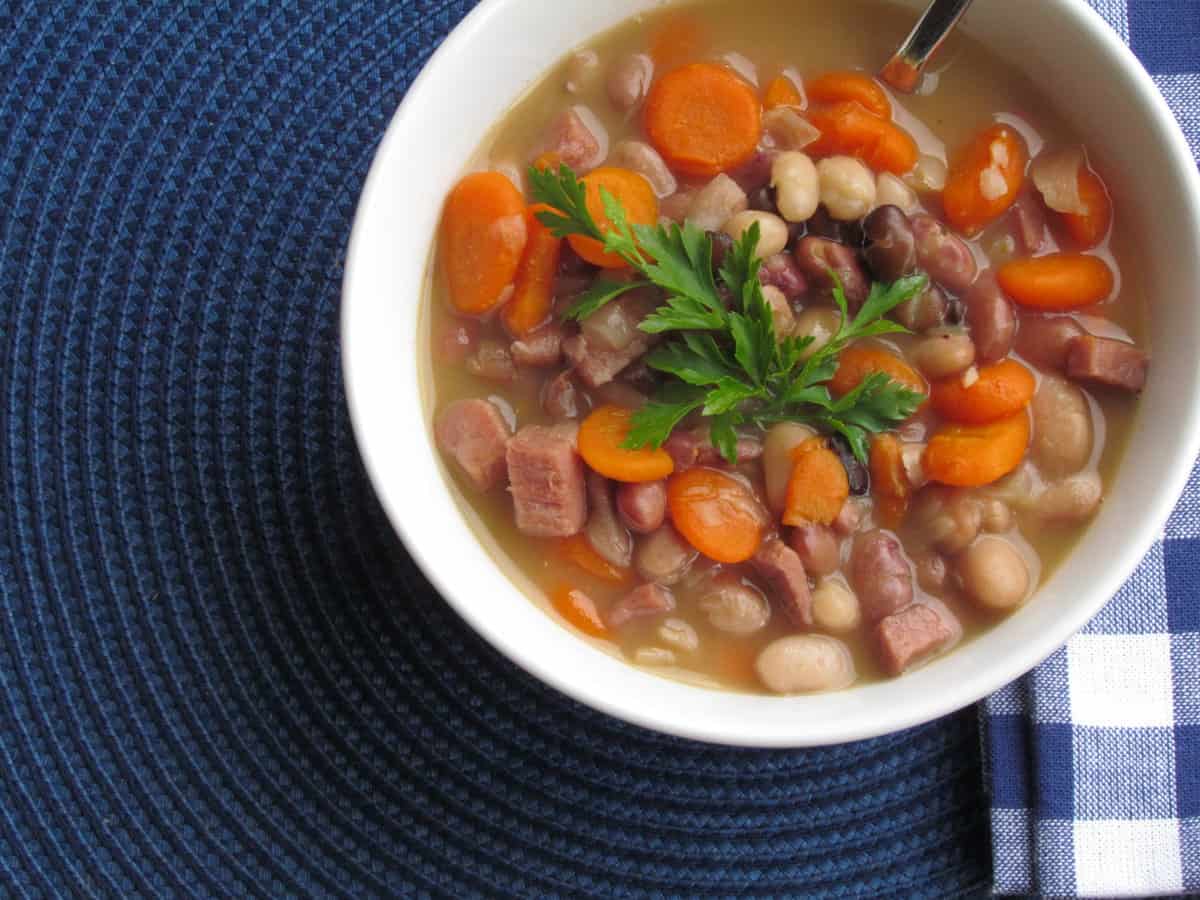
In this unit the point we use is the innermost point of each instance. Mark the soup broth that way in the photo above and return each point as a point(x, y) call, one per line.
point(967, 90)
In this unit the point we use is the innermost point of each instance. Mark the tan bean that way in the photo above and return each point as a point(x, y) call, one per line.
point(891, 191)
point(818, 322)
point(1062, 427)
point(805, 663)
point(735, 607)
point(835, 606)
point(994, 574)
point(1072, 500)
point(781, 312)
point(943, 352)
point(995, 515)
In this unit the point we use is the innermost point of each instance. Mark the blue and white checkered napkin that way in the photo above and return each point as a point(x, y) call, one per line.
point(1093, 759)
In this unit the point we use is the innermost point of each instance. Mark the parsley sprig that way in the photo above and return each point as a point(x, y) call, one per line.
point(720, 345)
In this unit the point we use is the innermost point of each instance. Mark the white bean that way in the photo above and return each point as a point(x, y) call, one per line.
point(781, 312)
point(805, 663)
point(994, 573)
point(778, 445)
point(891, 191)
point(847, 187)
point(772, 230)
point(995, 515)
point(654, 656)
point(583, 68)
point(835, 606)
point(679, 634)
point(797, 188)
point(716, 202)
point(929, 175)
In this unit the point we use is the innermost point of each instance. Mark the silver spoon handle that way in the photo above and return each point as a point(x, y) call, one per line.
point(903, 71)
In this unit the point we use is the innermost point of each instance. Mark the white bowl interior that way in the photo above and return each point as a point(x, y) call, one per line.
point(505, 45)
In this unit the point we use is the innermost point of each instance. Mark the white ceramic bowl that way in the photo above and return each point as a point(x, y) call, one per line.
point(1090, 75)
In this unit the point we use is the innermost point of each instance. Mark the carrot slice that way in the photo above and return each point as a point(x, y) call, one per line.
point(836, 87)
point(889, 481)
point(985, 178)
point(678, 39)
point(856, 363)
point(600, 438)
point(533, 292)
point(974, 455)
point(703, 119)
point(578, 549)
point(635, 195)
point(577, 608)
point(818, 487)
point(1058, 281)
point(1000, 391)
point(483, 234)
point(782, 91)
point(716, 514)
point(849, 128)
point(1088, 229)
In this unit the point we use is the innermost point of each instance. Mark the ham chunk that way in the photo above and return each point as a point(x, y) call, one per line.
point(578, 138)
point(595, 366)
point(547, 481)
point(539, 349)
point(1107, 361)
point(475, 436)
point(646, 600)
point(910, 635)
point(780, 565)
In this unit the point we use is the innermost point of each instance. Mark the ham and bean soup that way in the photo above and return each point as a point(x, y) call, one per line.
point(757, 374)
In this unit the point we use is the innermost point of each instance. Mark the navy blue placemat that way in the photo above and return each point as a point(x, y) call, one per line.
point(220, 674)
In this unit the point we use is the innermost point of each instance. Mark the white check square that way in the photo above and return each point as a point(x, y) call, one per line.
point(1115, 858)
point(1121, 681)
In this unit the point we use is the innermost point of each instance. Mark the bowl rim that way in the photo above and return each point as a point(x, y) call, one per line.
point(806, 732)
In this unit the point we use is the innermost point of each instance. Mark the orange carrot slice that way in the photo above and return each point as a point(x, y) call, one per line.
point(703, 119)
point(635, 195)
point(578, 549)
point(985, 178)
point(1088, 229)
point(857, 87)
point(1059, 281)
point(483, 235)
point(975, 455)
point(818, 487)
point(889, 481)
point(856, 363)
point(533, 292)
point(849, 128)
point(782, 91)
point(716, 514)
point(577, 608)
point(1000, 391)
point(600, 444)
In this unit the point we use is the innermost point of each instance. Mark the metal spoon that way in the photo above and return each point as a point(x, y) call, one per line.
point(903, 71)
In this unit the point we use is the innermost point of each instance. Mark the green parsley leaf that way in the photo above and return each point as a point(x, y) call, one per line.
point(721, 347)
point(599, 295)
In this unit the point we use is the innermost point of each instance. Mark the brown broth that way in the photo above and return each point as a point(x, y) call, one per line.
point(972, 88)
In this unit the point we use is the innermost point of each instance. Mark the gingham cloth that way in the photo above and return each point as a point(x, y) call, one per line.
point(1093, 759)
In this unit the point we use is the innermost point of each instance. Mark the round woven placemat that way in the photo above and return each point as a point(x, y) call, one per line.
point(220, 674)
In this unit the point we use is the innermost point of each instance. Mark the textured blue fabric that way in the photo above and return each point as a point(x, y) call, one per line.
point(220, 674)
point(1093, 759)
